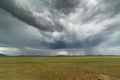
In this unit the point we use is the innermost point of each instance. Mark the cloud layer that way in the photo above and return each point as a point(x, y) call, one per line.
point(51, 26)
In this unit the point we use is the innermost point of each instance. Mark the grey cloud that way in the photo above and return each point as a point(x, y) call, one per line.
point(103, 10)
point(29, 16)
point(65, 6)
point(64, 24)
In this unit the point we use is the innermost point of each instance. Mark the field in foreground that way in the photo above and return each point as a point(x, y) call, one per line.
point(60, 68)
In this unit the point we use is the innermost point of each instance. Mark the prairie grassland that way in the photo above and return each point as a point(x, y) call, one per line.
point(60, 68)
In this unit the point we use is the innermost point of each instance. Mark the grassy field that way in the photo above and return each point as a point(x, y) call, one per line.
point(60, 68)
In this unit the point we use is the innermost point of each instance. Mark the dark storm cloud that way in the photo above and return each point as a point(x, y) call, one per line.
point(30, 17)
point(86, 43)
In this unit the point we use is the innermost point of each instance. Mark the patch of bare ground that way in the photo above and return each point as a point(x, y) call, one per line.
point(106, 77)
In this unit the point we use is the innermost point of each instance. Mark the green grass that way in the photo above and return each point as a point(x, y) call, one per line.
point(60, 68)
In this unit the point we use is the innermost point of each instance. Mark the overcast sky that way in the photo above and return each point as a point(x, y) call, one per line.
point(60, 27)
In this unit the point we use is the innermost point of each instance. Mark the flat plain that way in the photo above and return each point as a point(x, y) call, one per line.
point(60, 68)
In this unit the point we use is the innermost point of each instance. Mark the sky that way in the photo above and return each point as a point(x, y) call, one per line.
point(60, 27)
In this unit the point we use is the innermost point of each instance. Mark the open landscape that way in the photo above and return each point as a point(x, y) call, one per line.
point(60, 68)
point(59, 39)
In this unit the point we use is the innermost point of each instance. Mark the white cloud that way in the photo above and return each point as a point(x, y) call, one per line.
point(62, 53)
point(9, 50)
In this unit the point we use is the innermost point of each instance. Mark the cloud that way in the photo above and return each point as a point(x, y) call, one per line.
point(65, 6)
point(28, 13)
point(8, 50)
point(33, 26)
point(62, 53)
